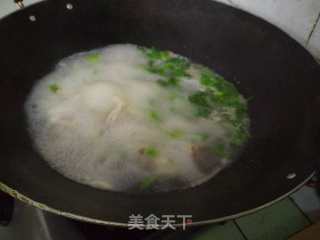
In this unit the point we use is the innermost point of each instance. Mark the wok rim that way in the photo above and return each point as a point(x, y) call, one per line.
point(73, 216)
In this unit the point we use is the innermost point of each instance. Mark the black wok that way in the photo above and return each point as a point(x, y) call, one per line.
point(279, 76)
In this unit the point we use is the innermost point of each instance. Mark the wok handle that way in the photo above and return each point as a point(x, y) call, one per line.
point(19, 3)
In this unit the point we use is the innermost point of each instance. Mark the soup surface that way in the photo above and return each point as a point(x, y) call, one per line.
point(127, 118)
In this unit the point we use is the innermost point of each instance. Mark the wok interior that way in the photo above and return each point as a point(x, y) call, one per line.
point(268, 66)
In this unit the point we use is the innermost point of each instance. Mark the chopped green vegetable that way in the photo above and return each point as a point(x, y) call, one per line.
point(93, 57)
point(151, 152)
point(203, 102)
point(223, 97)
point(222, 90)
point(171, 82)
point(217, 96)
point(154, 116)
point(208, 78)
point(147, 182)
point(54, 87)
point(201, 99)
point(171, 68)
point(176, 134)
point(220, 150)
point(155, 54)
